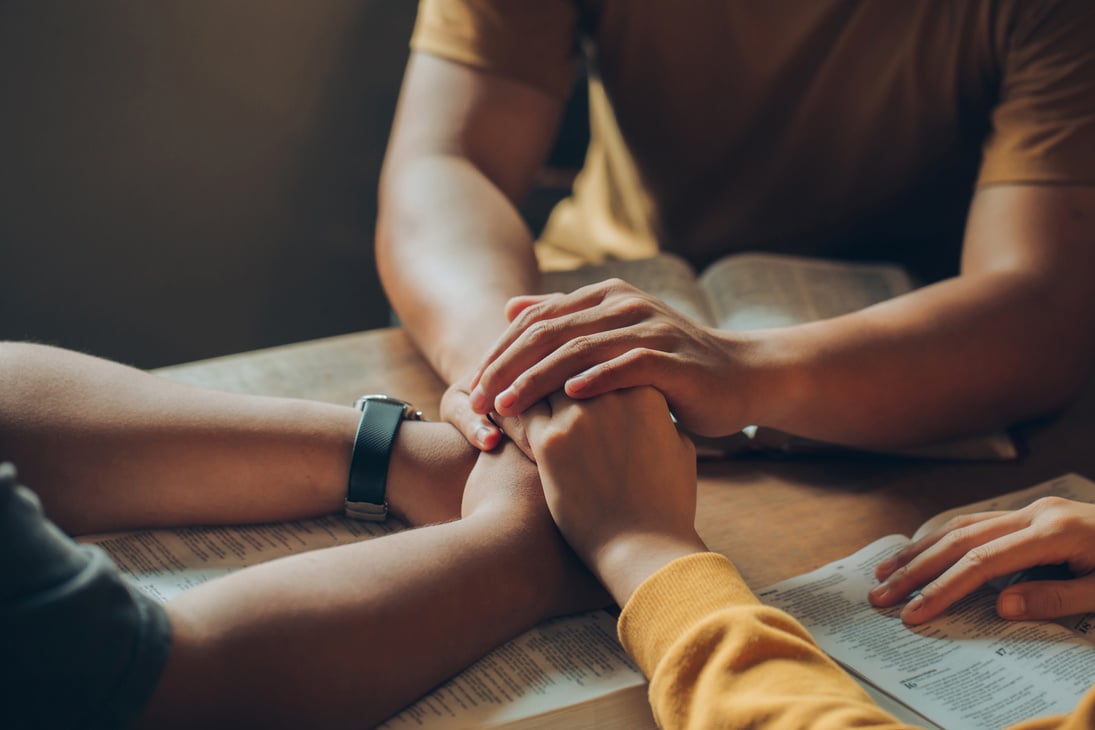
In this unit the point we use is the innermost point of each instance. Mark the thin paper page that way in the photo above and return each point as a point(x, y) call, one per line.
point(967, 669)
point(557, 667)
point(164, 563)
point(756, 291)
point(665, 276)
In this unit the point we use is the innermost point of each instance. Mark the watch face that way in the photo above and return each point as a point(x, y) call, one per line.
point(409, 411)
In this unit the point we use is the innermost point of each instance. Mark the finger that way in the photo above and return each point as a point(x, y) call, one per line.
point(516, 305)
point(635, 367)
point(903, 557)
point(546, 307)
point(954, 543)
point(551, 373)
point(537, 418)
point(1047, 599)
point(516, 427)
point(476, 428)
point(1008, 554)
point(552, 351)
point(541, 327)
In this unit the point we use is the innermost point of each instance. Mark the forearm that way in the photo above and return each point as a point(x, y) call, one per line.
point(109, 447)
point(348, 635)
point(452, 249)
point(964, 355)
point(344, 637)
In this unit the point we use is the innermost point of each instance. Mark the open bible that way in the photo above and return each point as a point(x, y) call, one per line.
point(966, 669)
point(567, 673)
point(749, 291)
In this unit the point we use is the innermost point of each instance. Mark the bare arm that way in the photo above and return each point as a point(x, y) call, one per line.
point(346, 636)
point(108, 447)
point(1011, 337)
point(451, 245)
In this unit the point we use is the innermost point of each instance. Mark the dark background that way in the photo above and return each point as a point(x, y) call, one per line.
point(182, 179)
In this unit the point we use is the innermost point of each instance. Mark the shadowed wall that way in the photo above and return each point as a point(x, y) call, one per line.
point(186, 178)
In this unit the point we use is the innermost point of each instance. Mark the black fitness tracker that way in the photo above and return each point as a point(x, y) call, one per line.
point(368, 483)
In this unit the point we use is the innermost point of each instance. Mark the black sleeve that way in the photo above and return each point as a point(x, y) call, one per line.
point(81, 648)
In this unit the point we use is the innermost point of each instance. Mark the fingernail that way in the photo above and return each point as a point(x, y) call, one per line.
point(483, 436)
point(505, 399)
point(885, 567)
point(1013, 605)
point(477, 400)
point(576, 384)
point(879, 592)
point(913, 607)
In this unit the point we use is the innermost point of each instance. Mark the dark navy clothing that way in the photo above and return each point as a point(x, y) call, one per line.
point(80, 648)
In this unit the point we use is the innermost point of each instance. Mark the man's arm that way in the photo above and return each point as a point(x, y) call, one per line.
point(346, 636)
point(451, 245)
point(1009, 338)
point(109, 447)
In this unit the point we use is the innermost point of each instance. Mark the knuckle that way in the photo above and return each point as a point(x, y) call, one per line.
point(582, 345)
point(539, 333)
point(531, 314)
point(899, 577)
point(977, 558)
point(631, 307)
point(661, 330)
point(959, 522)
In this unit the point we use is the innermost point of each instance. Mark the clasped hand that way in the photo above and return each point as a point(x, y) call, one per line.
point(611, 336)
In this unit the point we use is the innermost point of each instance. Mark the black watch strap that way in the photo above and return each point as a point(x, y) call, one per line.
point(368, 483)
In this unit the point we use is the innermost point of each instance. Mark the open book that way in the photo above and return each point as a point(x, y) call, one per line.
point(569, 673)
point(966, 669)
point(748, 291)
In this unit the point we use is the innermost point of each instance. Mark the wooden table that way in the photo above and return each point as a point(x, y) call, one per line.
point(774, 517)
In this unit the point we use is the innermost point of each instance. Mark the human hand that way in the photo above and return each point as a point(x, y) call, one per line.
point(610, 336)
point(475, 427)
point(620, 482)
point(481, 431)
point(503, 490)
point(971, 550)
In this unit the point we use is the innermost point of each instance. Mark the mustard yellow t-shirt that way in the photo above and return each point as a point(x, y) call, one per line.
point(832, 127)
point(717, 658)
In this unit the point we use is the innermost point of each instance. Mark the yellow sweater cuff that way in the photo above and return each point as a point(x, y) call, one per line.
point(672, 600)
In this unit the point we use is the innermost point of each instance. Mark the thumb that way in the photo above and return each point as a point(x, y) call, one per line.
point(476, 428)
point(1047, 599)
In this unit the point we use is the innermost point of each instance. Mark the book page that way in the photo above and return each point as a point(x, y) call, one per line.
point(966, 669)
point(758, 290)
point(666, 276)
point(163, 563)
point(567, 673)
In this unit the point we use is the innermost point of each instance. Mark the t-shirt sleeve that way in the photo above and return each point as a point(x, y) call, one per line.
point(532, 42)
point(1043, 126)
point(81, 648)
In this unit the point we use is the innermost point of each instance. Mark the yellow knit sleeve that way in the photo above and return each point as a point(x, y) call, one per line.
point(716, 657)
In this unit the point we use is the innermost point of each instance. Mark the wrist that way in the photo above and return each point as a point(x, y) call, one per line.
point(430, 463)
point(769, 378)
point(623, 562)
